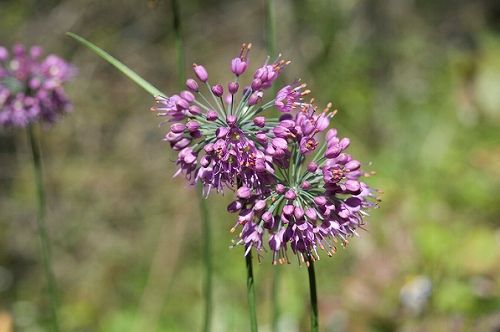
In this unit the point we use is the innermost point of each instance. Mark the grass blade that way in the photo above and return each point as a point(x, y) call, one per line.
point(118, 65)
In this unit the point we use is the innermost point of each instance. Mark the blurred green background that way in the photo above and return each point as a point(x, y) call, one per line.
point(417, 85)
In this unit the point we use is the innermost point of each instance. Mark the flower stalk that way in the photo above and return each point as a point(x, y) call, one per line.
point(251, 293)
point(42, 230)
point(313, 296)
point(205, 218)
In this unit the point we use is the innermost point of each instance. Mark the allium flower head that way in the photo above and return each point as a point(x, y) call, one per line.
point(219, 132)
point(317, 199)
point(31, 87)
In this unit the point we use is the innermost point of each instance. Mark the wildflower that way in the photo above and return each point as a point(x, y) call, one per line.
point(315, 201)
point(219, 137)
point(31, 88)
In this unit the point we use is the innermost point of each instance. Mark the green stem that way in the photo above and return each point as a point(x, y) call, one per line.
point(274, 299)
point(205, 218)
point(314, 298)
point(42, 230)
point(251, 292)
point(270, 28)
point(207, 259)
point(179, 43)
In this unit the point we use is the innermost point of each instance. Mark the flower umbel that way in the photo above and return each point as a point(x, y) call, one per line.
point(315, 201)
point(296, 186)
point(31, 87)
point(218, 133)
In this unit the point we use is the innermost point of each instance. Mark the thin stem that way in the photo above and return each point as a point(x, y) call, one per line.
point(42, 231)
point(275, 296)
point(207, 259)
point(251, 292)
point(314, 298)
point(205, 218)
point(179, 43)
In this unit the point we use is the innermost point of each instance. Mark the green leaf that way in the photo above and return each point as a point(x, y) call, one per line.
point(118, 65)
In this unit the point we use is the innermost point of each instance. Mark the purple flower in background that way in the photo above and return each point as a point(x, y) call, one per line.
point(31, 87)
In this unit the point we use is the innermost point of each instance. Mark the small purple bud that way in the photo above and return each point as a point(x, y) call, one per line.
point(267, 216)
point(192, 85)
point(330, 134)
point(288, 209)
point(231, 119)
point(218, 90)
point(187, 95)
point(234, 206)
point(312, 167)
point(260, 121)
point(256, 84)
point(333, 152)
point(195, 134)
point(280, 189)
point(182, 104)
point(306, 185)
point(221, 132)
point(212, 115)
point(290, 195)
point(205, 161)
point(209, 148)
point(182, 143)
point(238, 66)
point(172, 137)
point(279, 143)
point(259, 205)
point(353, 165)
point(194, 110)
point(344, 143)
point(233, 87)
point(322, 122)
point(200, 72)
point(320, 200)
point(177, 127)
point(254, 98)
point(192, 126)
point(352, 185)
point(298, 212)
point(311, 214)
point(261, 138)
point(243, 192)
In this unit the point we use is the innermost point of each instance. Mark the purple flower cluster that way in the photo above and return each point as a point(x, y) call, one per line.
point(217, 132)
point(296, 186)
point(31, 87)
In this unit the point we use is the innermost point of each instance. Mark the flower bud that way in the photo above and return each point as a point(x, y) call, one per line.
point(192, 85)
point(290, 195)
point(312, 167)
point(187, 95)
point(260, 121)
point(238, 66)
point(243, 192)
point(200, 72)
point(212, 115)
point(231, 119)
point(218, 90)
point(177, 127)
point(233, 87)
point(280, 189)
point(234, 206)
